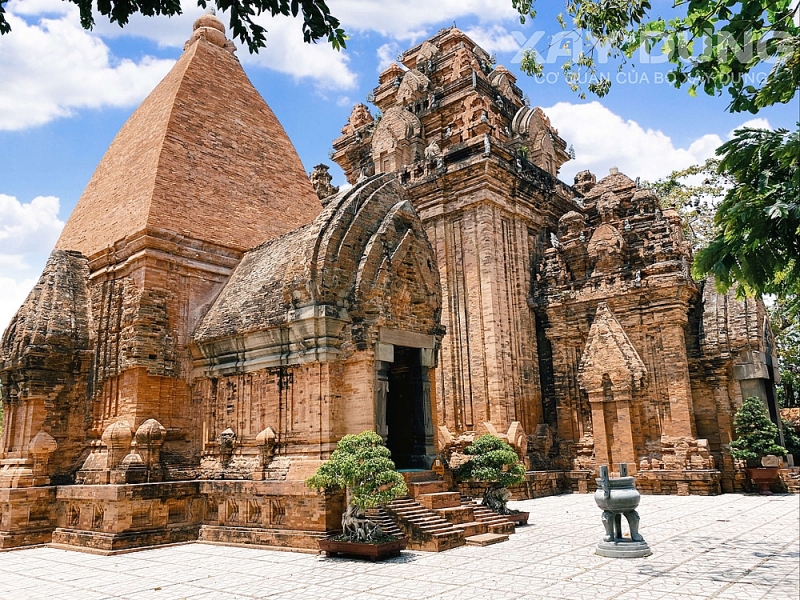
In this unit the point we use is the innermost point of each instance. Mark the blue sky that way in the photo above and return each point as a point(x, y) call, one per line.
point(65, 92)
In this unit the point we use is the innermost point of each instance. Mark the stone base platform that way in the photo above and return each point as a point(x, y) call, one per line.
point(680, 483)
point(624, 549)
point(254, 536)
point(26, 516)
point(114, 543)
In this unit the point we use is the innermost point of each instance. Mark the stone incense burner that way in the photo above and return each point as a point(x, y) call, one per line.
point(618, 497)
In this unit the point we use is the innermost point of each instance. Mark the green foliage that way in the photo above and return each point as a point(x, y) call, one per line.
point(493, 461)
point(318, 23)
point(755, 432)
point(791, 439)
point(757, 239)
point(713, 45)
point(361, 465)
point(786, 327)
point(696, 201)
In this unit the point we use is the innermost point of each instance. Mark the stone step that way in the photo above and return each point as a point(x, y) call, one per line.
point(417, 488)
point(485, 539)
point(457, 514)
point(414, 475)
point(501, 528)
point(473, 528)
point(426, 530)
point(439, 500)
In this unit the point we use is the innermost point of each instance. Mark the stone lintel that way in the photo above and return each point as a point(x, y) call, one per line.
point(409, 339)
point(752, 365)
point(309, 340)
point(164, 245)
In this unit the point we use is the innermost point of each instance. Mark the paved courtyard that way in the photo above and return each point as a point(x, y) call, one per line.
point(726, 547)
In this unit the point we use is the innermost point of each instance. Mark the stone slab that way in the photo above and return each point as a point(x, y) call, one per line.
point(486, 539)
point(624, 549)
point(440, 500)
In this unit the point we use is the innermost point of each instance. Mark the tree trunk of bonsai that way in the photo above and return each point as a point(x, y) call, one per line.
point(355, 526)
point(496, 498)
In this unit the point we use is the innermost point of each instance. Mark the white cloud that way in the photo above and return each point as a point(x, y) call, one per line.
point(27, 233)
point(758, 123)
point(603, 139)
point(387, 54)
point(494, 39)
point(14, 294)
point(52, 67)
point(413, 19)
point(55, 67)
point(286, 52)
point(26, 228)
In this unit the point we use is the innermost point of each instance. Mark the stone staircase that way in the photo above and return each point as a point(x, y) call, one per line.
point(436, 519)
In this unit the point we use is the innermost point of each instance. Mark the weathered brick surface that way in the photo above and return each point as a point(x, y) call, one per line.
point(569, 311)
point(203, 335)
point(203, 156)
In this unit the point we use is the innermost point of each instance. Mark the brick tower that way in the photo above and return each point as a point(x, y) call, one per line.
point(201, 172)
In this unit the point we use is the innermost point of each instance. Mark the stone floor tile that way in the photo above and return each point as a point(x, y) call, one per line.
point(736, 546)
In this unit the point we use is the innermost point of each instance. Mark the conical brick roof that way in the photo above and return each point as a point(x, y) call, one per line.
point(202, 157)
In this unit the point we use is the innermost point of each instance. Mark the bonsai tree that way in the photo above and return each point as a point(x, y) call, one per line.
point(493, 462)
point(361, 466)
point(790, 438)
point(755, 432)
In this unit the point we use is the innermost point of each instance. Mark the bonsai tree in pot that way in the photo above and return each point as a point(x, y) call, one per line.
point(756, 436)
point(361, 466)
point(493, 462)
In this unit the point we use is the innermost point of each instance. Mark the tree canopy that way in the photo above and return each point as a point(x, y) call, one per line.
point(492, 460)
point(755, 432)
point(361, 465)
point(318, 23)
point(710, 47)
point(695, 193)
point(757, 239)
point(786, 325)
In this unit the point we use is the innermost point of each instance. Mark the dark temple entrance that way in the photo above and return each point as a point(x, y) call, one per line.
point(408, 411)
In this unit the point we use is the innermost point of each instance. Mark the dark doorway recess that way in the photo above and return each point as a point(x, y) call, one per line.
point(405, 410)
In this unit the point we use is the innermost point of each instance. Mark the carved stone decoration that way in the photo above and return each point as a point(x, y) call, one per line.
point(608, 206)
point(645, 201)
point(502, 79)
point(571, 224)
point(415, 85)
point(607, 249)
point(584, 182)
point(610, 371)
point(609, 353)
point(426, 52)
point(464, 63)
point(545, 148)
point(266, 442)
point(359, 117)
point(518, 439)
point(41, 447)
point(321, 180)
point(432, 151)
point(117, 438)
point(149, 438)
point(397, 140)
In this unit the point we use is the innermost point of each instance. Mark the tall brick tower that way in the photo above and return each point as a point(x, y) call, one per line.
point(201, 172)
point(482, 169)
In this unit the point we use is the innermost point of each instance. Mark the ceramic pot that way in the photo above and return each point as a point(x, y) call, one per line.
point(763, 477)
point(622, 497)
